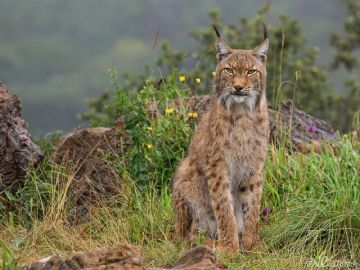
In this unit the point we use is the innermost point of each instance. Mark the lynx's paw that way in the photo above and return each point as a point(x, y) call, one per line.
point(248, 243)
point(231, 249)
point(221, 247)
point(189, 238)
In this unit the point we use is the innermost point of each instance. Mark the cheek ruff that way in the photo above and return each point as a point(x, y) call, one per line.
point(231, 101)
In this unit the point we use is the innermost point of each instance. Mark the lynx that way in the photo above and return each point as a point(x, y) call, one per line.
point(217, 187)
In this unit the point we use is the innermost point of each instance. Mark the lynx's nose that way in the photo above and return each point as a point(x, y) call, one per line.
point(238, 88)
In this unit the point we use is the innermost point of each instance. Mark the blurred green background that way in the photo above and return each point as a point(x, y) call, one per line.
point(56, 53)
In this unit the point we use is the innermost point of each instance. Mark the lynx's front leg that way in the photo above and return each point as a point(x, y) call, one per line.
point(222, 206)
point(250, 197)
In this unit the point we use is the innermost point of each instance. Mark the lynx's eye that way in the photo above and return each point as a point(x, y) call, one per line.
point(251, 71)
point(229, 70)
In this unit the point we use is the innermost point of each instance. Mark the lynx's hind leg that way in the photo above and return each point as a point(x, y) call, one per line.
point(185, 194)
point(184, 215)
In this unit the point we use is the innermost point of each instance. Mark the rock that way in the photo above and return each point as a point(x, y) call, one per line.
point(82, 152)
point(119, 257)
point(126, 257)
point(17, 150)
point(303, 131)
point(200, 258)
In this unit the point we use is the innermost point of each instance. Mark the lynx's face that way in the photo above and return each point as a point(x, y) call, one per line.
point(240, 78)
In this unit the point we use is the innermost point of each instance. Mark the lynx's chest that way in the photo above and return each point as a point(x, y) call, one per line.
point(245, 150)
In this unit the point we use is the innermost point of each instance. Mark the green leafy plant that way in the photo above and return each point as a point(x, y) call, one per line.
point(159, 128)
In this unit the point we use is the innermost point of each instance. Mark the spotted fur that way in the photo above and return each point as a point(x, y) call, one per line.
point(217, 187)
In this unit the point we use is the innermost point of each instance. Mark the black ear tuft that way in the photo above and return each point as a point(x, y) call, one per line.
point(222, 49)
point(265, 30)
point(216, 31)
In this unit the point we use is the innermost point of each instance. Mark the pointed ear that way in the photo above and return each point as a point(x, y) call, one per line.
point(260, 52)
point(222, 49)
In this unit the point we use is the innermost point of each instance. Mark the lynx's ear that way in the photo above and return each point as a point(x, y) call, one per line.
point(260, 51)
point(222, 49)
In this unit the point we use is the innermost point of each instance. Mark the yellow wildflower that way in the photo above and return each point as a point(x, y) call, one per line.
point(149, 146)
point(197, 80)
point(182, 78)
point(169, 110)
point(149, 128)
point(193, 114)
point(213, 73)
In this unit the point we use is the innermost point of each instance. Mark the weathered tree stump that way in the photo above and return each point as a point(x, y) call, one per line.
point(94, 178)
point(17, 150)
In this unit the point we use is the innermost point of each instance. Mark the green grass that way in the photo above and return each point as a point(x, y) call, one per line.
point(314, 200)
